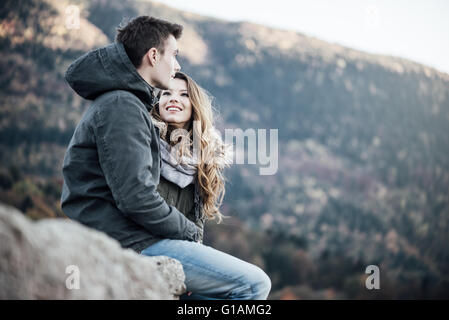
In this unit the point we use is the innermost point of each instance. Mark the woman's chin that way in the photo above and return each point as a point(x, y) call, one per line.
point(173, 119)
point(170, 118)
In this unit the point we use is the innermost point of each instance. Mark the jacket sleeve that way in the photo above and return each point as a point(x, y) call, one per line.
point(124, 150)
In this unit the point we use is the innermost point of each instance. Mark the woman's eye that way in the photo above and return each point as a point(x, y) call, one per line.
point(166, 93)
point(185, 94)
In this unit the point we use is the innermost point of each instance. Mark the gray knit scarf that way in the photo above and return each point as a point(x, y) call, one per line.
point(183, 172)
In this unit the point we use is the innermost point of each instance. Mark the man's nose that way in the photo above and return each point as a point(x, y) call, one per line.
point(177, 66)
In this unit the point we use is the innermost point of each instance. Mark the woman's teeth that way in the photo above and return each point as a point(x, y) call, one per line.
point(173, 109)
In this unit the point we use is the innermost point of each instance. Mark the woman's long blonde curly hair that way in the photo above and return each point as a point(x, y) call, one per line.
point(214, 154)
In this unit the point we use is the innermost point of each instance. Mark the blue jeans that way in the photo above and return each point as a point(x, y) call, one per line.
point(212, 274)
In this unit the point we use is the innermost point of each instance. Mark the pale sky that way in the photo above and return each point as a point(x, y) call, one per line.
point(415, 29)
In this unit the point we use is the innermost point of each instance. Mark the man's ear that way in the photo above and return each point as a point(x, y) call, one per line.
point(152, 56)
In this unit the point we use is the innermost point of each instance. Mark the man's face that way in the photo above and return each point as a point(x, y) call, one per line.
point(166, 65)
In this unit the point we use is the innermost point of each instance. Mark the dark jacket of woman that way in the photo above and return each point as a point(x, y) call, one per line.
point(187, 200)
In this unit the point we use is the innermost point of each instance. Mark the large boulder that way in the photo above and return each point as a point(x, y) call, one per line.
point(62, 259)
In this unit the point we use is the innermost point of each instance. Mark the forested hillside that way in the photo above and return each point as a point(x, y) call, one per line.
point(363, 172)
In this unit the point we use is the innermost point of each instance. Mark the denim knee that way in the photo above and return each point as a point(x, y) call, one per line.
point(261, 288)
point(256, 286)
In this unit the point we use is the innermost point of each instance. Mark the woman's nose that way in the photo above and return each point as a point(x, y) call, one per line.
point(174, 98)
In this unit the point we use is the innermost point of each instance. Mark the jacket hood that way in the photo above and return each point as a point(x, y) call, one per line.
point(107, 69)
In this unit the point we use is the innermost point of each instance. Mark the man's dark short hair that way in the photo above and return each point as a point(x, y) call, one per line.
point(143, 33)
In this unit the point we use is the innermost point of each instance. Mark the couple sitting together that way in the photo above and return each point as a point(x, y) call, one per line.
point(145, 163)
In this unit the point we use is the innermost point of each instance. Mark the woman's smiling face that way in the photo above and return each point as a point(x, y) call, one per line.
point(175, 105)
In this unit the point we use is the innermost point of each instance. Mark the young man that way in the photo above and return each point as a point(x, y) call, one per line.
point(112, 165)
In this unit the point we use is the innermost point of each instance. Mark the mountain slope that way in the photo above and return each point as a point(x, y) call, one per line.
point(363, 171)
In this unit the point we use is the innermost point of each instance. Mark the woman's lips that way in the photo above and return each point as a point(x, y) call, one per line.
point(173, 109)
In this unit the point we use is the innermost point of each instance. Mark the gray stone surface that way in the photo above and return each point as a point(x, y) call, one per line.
point(36, 260)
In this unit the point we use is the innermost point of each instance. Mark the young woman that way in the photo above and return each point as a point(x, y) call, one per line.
point(193, 159)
